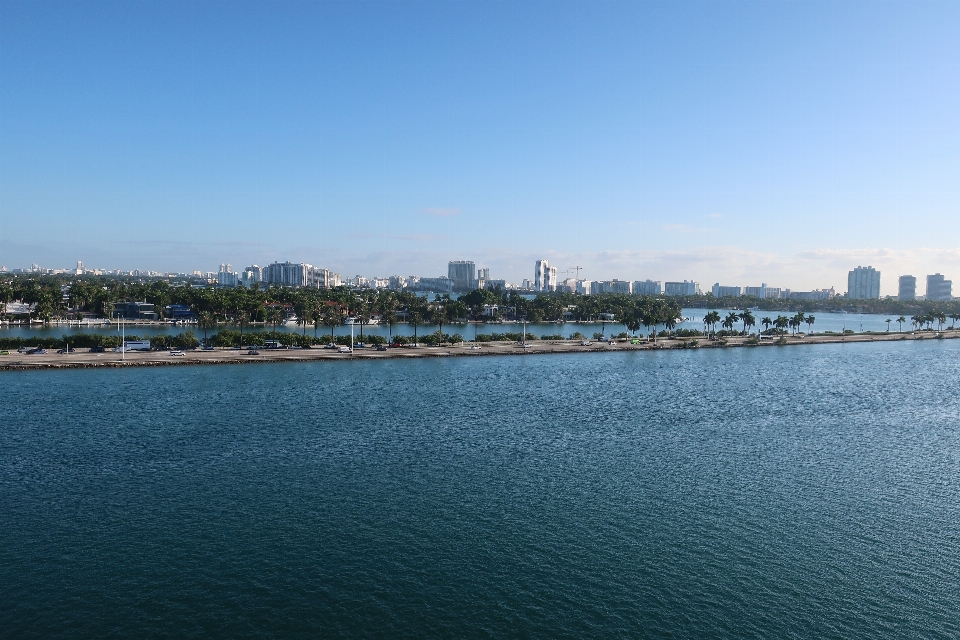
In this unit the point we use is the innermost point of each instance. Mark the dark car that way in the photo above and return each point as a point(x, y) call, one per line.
point(381, 347)
point(64, 350)
point(38, 351)
point(253, 352)
point(97, 349)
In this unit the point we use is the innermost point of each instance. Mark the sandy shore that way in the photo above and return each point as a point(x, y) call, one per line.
point(84, 359)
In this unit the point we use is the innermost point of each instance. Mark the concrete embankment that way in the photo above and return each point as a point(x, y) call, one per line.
point(83, 359)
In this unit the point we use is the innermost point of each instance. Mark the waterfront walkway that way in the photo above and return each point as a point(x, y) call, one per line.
point(84, 359)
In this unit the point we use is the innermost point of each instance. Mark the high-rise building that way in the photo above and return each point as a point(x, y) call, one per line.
point(646, 287)
point(292, 274)
point(763, 291)
point(463, 273)
point(938, 288)
point(681, 288)
point(544, 276)
point(907, 289)
point(226, 277)
point(816, 294)
point(720, 291)
point(863, 283)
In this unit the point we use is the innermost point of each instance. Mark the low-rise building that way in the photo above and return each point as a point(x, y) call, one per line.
point(722, 291)
point(134, 311)
point(179, 312)
point(495, 284)
point(763, 291)
point(816, 294)
point(442, 284)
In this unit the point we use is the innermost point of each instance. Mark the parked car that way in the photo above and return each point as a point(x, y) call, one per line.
point(178, 353)
point(38, 351)
point(4, 353)
point(330, 346)
point(97, 349)
point(207, 347)
point(381, 347)
point(253, 352)
point(344, 349)
point(585, 343)
point(24, 349)
point(64, 350)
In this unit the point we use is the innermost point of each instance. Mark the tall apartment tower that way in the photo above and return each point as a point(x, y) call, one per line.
point(938, 288)
point(463, 273)
point(863, 283)
point(908, 288)
point(544, 277)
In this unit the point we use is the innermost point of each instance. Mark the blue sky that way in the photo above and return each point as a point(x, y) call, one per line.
point(734, 141)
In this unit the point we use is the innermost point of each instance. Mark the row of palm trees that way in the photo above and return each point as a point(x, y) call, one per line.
point(918, 321)
point(780, 323)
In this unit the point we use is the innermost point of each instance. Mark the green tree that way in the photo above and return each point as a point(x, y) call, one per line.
point(731, 319)
point(748, 320)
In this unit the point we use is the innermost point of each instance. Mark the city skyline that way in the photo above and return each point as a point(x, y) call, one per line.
point(465, 275)
point(716, 141)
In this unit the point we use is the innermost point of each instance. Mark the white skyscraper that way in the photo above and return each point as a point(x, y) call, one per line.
point(863, 283)
point(544, 277)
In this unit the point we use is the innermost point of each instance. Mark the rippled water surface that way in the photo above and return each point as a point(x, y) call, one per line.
point(778, 492)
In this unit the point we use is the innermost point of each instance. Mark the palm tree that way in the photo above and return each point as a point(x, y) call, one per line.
point(206, 320)
point(390, 317)
point(361, 316)
point(781, 323)
point(711, 320)
point(748, 320)
point(916, 321)
point(316, 316)
point(900, 322)
point(415, 318)
point(798, 320)
point(766, 322)
point(729, 321)
point(436, 313)
point(333, 318)
point(810, 320)
point(888, 321)
point(241, 321)
point(275, 317)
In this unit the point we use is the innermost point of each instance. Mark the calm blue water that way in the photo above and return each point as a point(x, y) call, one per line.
point(836, 322)
point(792, 492)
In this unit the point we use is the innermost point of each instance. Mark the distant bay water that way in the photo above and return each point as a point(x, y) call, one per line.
point(836, 322)
point(796, 492)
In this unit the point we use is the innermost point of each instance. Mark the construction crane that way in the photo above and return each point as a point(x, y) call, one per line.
point(578, 271)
